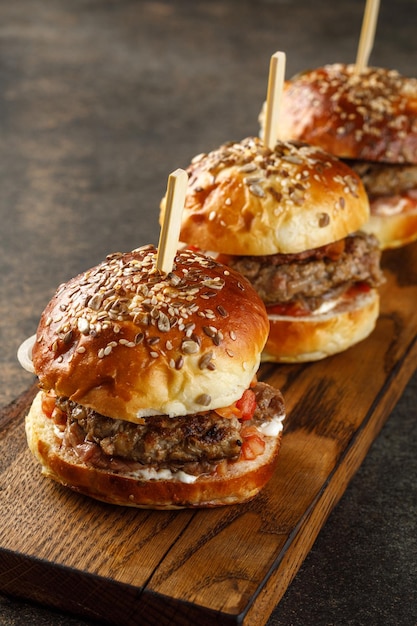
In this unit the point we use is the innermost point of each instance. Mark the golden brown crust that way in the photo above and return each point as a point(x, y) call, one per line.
point(302, 339)
point(393, 231)
point(127, 342)
point(246, 199)
point(242, 482)
point(371, 116)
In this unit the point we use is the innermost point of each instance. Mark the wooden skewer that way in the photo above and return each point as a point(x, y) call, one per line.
point(274, 97)
point(170, 230)
point(366, 40)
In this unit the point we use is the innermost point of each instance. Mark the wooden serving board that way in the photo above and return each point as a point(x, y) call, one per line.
point(225, 566)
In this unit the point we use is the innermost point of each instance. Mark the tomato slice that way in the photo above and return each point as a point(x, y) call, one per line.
point(293, 309)
point(356, 289)
point(51, 410)
point(253, 443)
point(243, 409)
point(247, 404)
point(48, 404)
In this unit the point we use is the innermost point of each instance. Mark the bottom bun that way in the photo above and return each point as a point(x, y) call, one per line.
point(393, 231)
point(314, 337)
point(241, 481)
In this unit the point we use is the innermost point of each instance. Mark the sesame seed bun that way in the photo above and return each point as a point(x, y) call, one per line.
point(395, 230)
point(149, 394)
point(315, 337)
point(240, 482)
point(368, 116)
point(244, 199)
point(248, 205)
point(127, 341)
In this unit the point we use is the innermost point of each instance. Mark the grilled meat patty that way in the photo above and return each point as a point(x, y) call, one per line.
point(385, 179)
point(313, 276)
point(195, 443)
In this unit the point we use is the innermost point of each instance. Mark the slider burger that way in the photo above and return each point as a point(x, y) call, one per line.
point(369, 119)
point(148, 385)
point(287, 219)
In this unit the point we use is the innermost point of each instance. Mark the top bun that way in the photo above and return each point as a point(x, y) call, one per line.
point(129, 341)
point(370, 116)
point(245, 199)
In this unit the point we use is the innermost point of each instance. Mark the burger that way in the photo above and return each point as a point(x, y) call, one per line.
point(148, 389)
point(288, 219)
point(369, 119)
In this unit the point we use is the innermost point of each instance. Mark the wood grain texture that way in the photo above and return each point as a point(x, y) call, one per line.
point(228, 565)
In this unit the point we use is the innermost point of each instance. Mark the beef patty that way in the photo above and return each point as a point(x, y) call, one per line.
point(385, 179)
point(313, 276)
point(195, 443)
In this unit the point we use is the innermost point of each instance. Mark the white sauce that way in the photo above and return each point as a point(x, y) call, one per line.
point(327, 306)
point(273, 427)
point(164, 474)
point(389, 206)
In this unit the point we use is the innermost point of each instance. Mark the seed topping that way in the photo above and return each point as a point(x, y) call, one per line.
point(287, 173)
point(376, 106)
point(125, 302)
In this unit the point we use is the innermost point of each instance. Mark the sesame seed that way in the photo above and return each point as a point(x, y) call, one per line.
point(248, 167)
point(257, 190)
point(210, 331)
point(95, 302)
point(222, 311)
point(253, 180)
point(205, 360)
point(204, 399)
point(197, 339)
point(83, 326)
point(67, 337)
point(324, 219)
point(189, 347)
point(217, 339)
